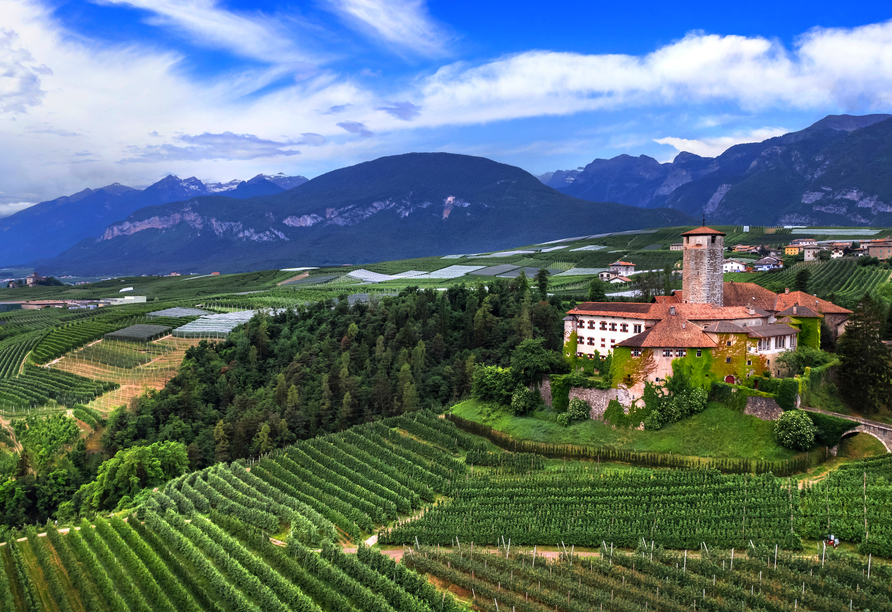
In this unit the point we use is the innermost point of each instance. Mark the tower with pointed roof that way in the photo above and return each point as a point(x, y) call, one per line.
point(703, 255)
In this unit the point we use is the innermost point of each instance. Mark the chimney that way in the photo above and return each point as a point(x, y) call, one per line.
point(795, 308)
point(684, 325)
point(752, 310)
point(672, 310)
point(787, 290)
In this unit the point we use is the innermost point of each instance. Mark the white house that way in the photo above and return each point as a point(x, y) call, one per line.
point(732, 265)
point(623, 267)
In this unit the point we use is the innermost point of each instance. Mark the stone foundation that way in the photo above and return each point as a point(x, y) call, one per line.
point(764, 408)
point(598, 399)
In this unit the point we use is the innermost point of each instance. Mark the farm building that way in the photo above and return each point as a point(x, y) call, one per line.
point(677, 246)
point(735, 330)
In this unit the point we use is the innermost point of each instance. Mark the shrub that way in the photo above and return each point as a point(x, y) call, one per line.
point(523, 400)
point(493, 384)
point(795, 430)
point(787, 393)
point(578, 410)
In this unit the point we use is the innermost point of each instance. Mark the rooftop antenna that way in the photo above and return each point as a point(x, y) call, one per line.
point(704, 220)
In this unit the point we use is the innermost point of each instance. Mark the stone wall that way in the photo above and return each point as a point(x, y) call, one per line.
point(764, 408)
point(598, 399)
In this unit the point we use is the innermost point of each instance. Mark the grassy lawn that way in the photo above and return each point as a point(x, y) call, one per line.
point(715, 432)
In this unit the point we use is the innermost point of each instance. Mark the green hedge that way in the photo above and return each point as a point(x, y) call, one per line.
point(830, 428)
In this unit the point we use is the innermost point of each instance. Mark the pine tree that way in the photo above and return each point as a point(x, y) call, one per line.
point(221, 438)
point(596, 291)
point(865, 370)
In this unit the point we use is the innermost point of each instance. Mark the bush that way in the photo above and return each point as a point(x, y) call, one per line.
point(795, 362)
point(494, 384)
point(578, 410)
point(665, 410)
point(795, 430)
point(787, 393)
point(523, 400)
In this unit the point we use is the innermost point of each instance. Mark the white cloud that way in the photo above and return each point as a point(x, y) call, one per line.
point(69, 95)
point(713, 147)
point(252, 36)
point(404, 24)
point(10, 208)
point(836, 69)
point(20, 85)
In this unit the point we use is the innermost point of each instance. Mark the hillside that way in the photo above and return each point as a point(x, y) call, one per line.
point(835, 172)
point(390, 208)
point(48, 228)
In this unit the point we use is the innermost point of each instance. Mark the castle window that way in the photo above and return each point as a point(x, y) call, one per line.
point(667, 352)
point(727, 360)
point(603, 343)
point(613, 327)
point(604, 325)
point(680, 353)
point(749, 362)
point(637, 328)
point(591, 325)
point(623, 327)
point(699, 353)
point(636, 352)
point(728, 343)
point(580, 324)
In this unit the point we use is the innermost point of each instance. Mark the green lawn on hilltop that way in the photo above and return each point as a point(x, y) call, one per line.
point(716, 432)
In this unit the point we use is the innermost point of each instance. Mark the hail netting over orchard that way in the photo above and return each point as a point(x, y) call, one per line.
point(216, 325)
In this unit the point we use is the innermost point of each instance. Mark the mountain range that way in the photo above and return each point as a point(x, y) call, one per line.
point(48, 228)
point(412, 205)
point(838, 171)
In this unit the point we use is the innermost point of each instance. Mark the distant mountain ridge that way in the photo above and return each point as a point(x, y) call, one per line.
point(418, 204)
point(48, 228)
point(835, 172)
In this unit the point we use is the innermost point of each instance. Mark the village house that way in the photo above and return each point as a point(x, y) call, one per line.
point(767, 263)
point(881, 249)
point(733, 265)
point(811, 252)
point(622, 267)
point(731, 330)
point(678, 246)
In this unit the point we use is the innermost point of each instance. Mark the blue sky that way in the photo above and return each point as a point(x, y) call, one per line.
point(131, 90)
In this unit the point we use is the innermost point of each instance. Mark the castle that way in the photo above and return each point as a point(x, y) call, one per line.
point(724, 330)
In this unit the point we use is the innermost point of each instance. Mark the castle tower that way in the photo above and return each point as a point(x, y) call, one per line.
point(703, 253)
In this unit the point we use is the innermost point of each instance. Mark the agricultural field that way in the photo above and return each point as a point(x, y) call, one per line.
point(48, 389)
point(841, 279)
point(132, 368)
point(679, 509)
point(286, 534)
point(650, 578)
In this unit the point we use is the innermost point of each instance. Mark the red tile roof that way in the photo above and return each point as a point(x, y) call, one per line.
point(631, 310)
point(800, 311)
point(704, 231)
point(622, 263)
point(671, 332)
point(801, 298)
point(742, 294)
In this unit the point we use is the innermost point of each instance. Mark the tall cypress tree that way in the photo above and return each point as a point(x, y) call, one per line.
point(865, 370)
